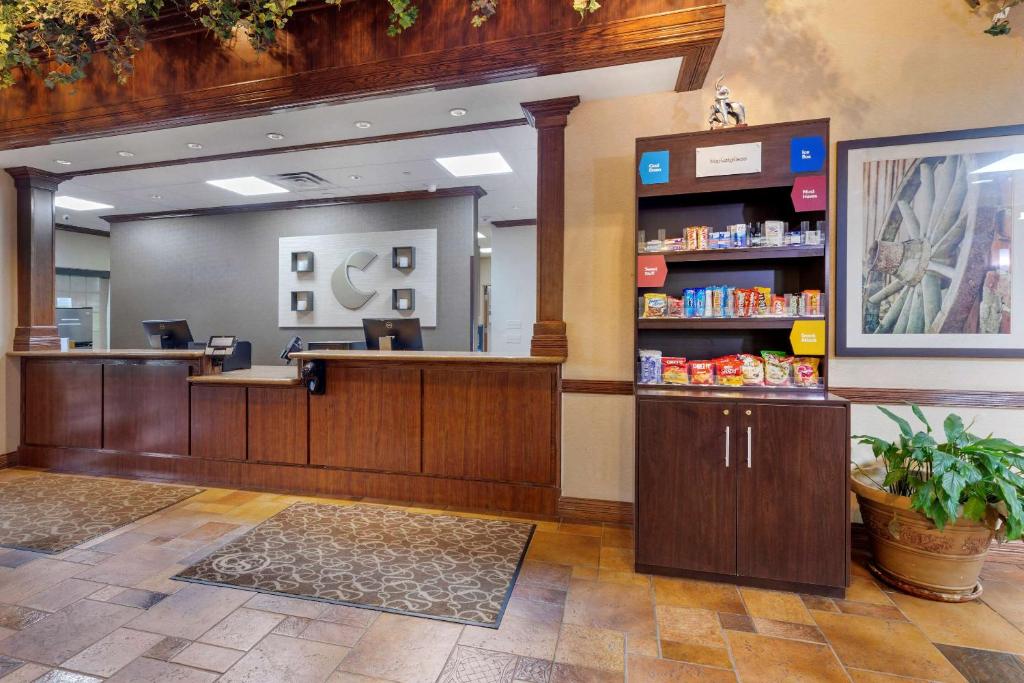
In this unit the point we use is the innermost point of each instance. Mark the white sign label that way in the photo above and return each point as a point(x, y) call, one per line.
point(729, 159)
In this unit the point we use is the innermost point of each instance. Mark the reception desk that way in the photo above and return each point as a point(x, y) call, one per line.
point(465, 429)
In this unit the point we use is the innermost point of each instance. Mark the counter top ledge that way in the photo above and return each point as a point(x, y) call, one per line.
point(266, 375)
point(427, 357)
point(160, 354)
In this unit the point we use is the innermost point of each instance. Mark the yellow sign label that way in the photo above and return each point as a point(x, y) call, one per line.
point(808, 338)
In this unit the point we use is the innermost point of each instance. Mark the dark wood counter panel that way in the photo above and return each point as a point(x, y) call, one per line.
point(472, 430)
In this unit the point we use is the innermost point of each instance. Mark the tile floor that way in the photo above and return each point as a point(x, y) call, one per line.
point(108, 611)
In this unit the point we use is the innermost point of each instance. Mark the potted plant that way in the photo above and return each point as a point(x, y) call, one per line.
point(932, 509)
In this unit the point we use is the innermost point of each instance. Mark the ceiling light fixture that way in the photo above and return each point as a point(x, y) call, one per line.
point(62, 162)
point(355, 177)
point(485, 250)
point(458, 111)
point(490, 163)
point(480, 235)
point(250, 186)
point(363, 124)
point(126, 154)
point(1014, 162)
point(275, 136)
point(156, 196)
point(194, 145)
point(76, 204)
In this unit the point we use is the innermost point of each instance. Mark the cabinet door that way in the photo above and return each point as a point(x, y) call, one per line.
point(793, 500)
point(686, 493)
point(218, 422)
point(146, 407)
point(279, 425)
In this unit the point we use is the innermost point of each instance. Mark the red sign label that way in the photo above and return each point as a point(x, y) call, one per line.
point(651, 271)
point(810, 193)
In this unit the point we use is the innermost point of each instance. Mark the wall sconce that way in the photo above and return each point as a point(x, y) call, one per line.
point(403, 258)
point(302, 302)
point(403, 299)
point(302, 262)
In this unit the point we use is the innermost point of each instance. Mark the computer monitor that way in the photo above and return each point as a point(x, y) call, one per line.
point(405, 333)
point(167, 334)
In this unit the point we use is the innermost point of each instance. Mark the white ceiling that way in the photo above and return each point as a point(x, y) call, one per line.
point(383, 167)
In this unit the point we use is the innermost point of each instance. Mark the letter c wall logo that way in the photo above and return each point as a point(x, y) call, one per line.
point(347, 294)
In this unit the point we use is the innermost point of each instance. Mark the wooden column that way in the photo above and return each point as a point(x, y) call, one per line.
point(37, 328)
point(549, 117)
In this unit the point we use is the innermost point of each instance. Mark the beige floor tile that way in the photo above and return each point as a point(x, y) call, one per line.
point(760, 659)
point(616, 537)
point(209, 657)
point(585, 573)
point(278, 658)
point(469, 664)
point(529, 629)
point(293, 607)
point(616, 559)
point(581, 529)
point(776, 605)
point(545, 574)
point(969, 624)
point(403, 649)
point(336, 634)
point(626, 577)
point(35, 576)
point(590, 647)
point(242, 629)
point(145, 670)
point(866, 590)
point(788, 629)
point(641, 645)
point(346, 677)
point(111, 654)
point(867, 609)
point(1000, 571)
point(353, 616)
point(1006, 598)
point(689, 625)
point(650, 670)
point(66, 633)
point(26, 673)
point(292, 626)
point(719, 597)
point(559, 548)
point(696, 654)
point(571, 673)
point(192, 611)
point(210, 531)
point(886, 646)
point(618, 607)
point(133, 567)
point(862, 676)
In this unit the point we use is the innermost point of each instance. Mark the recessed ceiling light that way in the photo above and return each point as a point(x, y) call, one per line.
point(475, 164)
point(406, 172)
point(156, 196)
point(62, 162)
point(194, 145)
point(485, 250)
point(480, 235)
point(126, 154)
point(76, 204)
point(275, 136)
point(1014, 162)
point(249, 186)
point(355, 177)
point(458, 111)
point(363, 124)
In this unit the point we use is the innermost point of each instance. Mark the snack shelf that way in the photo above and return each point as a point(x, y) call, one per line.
point(745, 254)
point(792, 389)
point(719, 393)
point(749, 323)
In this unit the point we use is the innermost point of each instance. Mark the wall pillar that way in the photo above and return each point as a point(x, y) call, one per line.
point(550, 117)
point(37, 328)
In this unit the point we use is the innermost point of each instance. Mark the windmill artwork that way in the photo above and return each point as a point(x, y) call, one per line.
point(926, 231)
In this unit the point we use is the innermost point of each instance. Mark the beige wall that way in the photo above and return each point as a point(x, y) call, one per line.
point(78, 250)
point(9, 414)
point(875, 67)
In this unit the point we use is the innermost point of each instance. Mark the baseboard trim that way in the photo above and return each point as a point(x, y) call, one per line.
point(592, 510)
point(597, 386)
point(932, 397)
point(7, 459)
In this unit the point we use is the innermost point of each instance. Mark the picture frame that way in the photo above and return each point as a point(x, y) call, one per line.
point(926, 226)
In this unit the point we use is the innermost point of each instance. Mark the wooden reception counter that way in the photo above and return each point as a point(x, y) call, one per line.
point(466, 429)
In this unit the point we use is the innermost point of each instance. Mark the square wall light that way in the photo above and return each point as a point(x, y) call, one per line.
point(490, 163)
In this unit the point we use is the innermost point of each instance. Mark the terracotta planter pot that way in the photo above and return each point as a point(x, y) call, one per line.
point(910, 554)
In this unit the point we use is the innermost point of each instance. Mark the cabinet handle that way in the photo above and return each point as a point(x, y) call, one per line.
point(725, 412)
point(748, 413)
point(750, 440)
point(726, 446)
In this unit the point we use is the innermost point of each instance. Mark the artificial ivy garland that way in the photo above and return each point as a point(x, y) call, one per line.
point(62, 35)
point(1000, 18)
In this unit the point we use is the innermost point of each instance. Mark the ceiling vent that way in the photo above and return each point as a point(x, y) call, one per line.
point(301, 181)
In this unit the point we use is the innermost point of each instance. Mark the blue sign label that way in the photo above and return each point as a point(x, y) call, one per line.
point(807, 155)
point(654, 167)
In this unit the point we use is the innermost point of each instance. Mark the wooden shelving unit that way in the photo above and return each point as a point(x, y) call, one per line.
point(746, 484)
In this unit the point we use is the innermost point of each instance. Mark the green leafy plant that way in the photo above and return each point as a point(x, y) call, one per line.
point(966, 475)
point(58, 38)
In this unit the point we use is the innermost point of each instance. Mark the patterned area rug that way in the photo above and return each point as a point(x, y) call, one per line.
point(441, 567)
point(50, 513)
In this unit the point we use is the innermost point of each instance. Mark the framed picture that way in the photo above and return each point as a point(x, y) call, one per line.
point(928, 255)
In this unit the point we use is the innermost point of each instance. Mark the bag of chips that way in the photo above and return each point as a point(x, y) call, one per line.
point(805, 371)
point(702, 372)
point(674, 371)
point(675, 307)
point(778, 368)
point(729, 370)
point(753, 370)
point(655, 305)
point(650, 366)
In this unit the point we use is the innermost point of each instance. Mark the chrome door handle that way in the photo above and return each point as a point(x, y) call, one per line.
point(726, 446)
point(750, 440)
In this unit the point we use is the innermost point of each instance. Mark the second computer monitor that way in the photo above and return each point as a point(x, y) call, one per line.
point(167, 334)
point(405, 333)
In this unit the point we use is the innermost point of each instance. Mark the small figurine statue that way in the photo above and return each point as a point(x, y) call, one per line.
point(724, 109)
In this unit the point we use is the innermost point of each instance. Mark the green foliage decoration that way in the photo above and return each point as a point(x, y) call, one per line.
point(964, 476)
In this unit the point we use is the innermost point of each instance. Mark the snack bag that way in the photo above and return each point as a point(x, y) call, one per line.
point(753, 370)
point(812, 301)
point(674, 371)
point(701, 296)
point(650, 366)
point(689, 303)
point(778, 305)
point(655, 305)
point(702, 372)
point(675, 307)
point(763, 300)
point(730, 371)
point(805, 371)
point(778, 368)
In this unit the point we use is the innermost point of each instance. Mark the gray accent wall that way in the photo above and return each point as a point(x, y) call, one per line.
point(220, 272)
